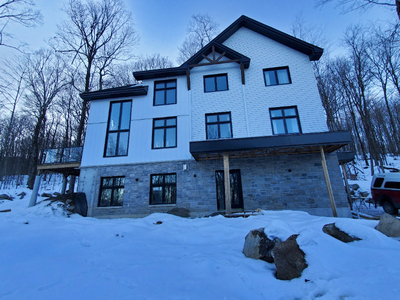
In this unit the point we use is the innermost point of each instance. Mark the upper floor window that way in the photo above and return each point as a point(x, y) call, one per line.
point(119, 121)
point(111, 191)
point(163, 189)
point(285, 120)
point(276, 76)
point(165, 92)
point(218, 126)
point(215, 83)
point(164, 133)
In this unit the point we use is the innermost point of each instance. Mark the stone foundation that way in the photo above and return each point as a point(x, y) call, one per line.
point(286, 182)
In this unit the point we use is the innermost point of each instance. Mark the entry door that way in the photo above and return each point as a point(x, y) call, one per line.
point(236, 189)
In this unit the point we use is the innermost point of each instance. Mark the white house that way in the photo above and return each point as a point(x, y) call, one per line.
point(247, 105)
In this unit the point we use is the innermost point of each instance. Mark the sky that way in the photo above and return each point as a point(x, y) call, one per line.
point(162, 24)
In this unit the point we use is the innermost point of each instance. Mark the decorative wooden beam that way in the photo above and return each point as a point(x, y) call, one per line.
point(227, 184)
point(328, 182)
point(215, 63)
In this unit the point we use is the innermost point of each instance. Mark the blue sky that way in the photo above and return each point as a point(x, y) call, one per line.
point(162, 24)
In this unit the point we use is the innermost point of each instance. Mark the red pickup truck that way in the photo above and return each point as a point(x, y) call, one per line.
point(385, 190)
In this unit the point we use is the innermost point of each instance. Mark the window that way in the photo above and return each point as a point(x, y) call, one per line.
point(277, 76)
point(164, 133)
point(378, 182)
point(392, 185)
point(111, 191)
point(118, 129)
point(216, 83)
point(285, 120)
point(218, 126)
point(163, 189)
point(164, 92)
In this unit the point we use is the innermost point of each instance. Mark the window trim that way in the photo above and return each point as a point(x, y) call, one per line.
point(283, 117)
point(165, 89)
point(162, 185)
point(113, 187)
point(218, 122)
point(165, 132)
point(118, 131)
point(215, 82)
point(276, 75)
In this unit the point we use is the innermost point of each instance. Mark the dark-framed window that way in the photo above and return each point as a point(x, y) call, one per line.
point(164, 92)
point(111, 191)
point(214, 83)
point(277, 76)
point(218, 126)
point(285, 120)
point(163, 189)
point(164, 133)
point(119, 120)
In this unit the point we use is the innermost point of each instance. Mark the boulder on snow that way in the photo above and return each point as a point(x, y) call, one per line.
point(180, 212)
point(21, 195)
point(47, 195)
point(364, 194)
point(258, 246)
point(289, 259)
point(389, 225)
point(338, 234)
point(5, 197)
point(354, 186)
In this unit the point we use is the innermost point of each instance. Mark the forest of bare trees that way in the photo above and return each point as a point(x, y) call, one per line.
point(40, 105)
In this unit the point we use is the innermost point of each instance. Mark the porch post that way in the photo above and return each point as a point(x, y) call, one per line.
point(32, 201)
point(328, 182)
point(227, 184)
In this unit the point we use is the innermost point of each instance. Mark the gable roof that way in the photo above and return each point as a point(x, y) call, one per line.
point(313, 52)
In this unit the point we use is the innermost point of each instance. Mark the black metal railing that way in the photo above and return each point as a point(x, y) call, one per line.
point(61, 155)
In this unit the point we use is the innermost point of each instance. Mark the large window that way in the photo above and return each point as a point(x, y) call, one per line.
point(111, 191)
point(285, 120)
point(216, 83)
point(165, 92)
point(118, 129)
point(164, 133)
point(218, 126)
point(163, 189)
point(277, 76)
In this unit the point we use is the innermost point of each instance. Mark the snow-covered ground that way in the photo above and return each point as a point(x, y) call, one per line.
point(44, 254)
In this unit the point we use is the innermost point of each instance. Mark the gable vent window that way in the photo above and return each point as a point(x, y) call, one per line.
point(277, 76)
point(215, 83)
point(285, 120)
point(164, 92)
point(119, 122)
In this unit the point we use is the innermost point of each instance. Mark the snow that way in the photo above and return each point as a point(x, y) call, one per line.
point(46, 254)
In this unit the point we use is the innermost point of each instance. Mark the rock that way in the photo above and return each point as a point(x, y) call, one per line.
point(289, 259)
point(389, 225)
point(57, 194)
point(364, 194)
point(338, 234)
point(21, 195)
point(258, 246)
point(354, 186)
point(71, 208)
point(5, 197)
point(180, 212)
point(80, 204)
point(47, 195)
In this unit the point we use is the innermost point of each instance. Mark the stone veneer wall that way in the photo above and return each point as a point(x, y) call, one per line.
point(287, 182)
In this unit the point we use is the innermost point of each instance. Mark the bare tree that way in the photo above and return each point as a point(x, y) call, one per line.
point(19, 12)
point(44, 79)
point(201, 30)
point(350, 5)
point(95, 34)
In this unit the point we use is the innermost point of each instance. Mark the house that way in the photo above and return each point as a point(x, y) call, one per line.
point(246, 105)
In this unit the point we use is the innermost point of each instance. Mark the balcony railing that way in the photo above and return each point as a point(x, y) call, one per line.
point(61, 156)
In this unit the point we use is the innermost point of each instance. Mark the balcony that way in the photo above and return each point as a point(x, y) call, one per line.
point(61, 160)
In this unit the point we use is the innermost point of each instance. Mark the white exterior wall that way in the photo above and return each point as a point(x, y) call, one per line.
point(303, 92)
point(140, 135)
